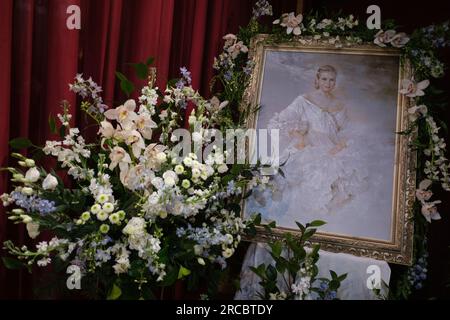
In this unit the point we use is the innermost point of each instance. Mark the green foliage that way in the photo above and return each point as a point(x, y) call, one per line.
point(293, 265)
point(126, 85)
point(20, 143)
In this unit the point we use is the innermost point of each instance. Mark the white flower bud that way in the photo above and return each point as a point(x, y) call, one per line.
point(50, 182)
point(32, 175)
point(30, 163)
point(27, 191)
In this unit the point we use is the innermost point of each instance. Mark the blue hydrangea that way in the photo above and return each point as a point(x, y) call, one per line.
point(33, 203)
point(228, 75)
point(417, 274)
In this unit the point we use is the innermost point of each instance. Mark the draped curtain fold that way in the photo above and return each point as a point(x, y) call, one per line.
point(39, 56)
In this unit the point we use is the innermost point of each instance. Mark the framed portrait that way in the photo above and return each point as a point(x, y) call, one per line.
point(338, 113)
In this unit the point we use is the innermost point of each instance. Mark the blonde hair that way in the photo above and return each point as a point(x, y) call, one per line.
point(324, 68)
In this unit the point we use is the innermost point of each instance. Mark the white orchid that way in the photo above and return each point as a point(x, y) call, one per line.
point(412, 89)
point(422, 194)
point(399, 40)
point(230, 39)
point(237, 48)
point(134, 139)
point(215, 105)
point(145, 125)
point(382, 38)
point(417, 112)
point(119, 156)
point(291, 22)
point(106, 129)
point(124, 114)
point(429, 210)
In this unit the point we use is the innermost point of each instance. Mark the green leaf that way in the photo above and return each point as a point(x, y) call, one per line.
point(150, 61)
point(257, 219)
point(20, 143)
point(271, 273)
point(342, 277)
point(183, 272)
point(52, 124)
point(115, 293)
point(141, 70)
point(317, 223)
point(300, 226)
point(62, 131)
point(276, 248)
point(333, 275)
point(121, 76)
point(126, 85)
point(11, 263)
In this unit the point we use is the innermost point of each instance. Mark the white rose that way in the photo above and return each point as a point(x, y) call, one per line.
point(33, 229)
point(169, 181)
point(50, 182)
point(32, 175)
point(222, 168)
point(161, 157)
point(135, 225)
point(170, 178)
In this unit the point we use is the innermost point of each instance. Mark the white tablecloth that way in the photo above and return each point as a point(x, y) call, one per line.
point(354, 287)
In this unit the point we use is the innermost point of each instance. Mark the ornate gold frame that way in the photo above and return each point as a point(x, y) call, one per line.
point(400, 249)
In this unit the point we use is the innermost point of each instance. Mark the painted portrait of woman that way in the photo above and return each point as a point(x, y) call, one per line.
point(333, 168)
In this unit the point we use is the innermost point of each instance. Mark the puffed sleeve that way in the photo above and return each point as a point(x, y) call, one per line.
point(291, 117)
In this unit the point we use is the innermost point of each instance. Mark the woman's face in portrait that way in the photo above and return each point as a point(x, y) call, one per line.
point(326, 81)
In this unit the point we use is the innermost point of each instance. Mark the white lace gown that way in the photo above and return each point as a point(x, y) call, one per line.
point(316, 183)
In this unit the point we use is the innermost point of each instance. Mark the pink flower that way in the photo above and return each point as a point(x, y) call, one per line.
point(237, 48)
point(412, 89)
point(399, 40)
point(417, 112)
point(429, 211)
point(291, 22)
point(230, 39)
point(422, 194)
point(384, 37)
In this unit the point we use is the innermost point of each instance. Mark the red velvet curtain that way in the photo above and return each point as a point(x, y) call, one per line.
point(39, 56)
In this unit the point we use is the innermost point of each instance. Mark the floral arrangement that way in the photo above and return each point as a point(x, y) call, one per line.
point(420, 48)
point(131, 213)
